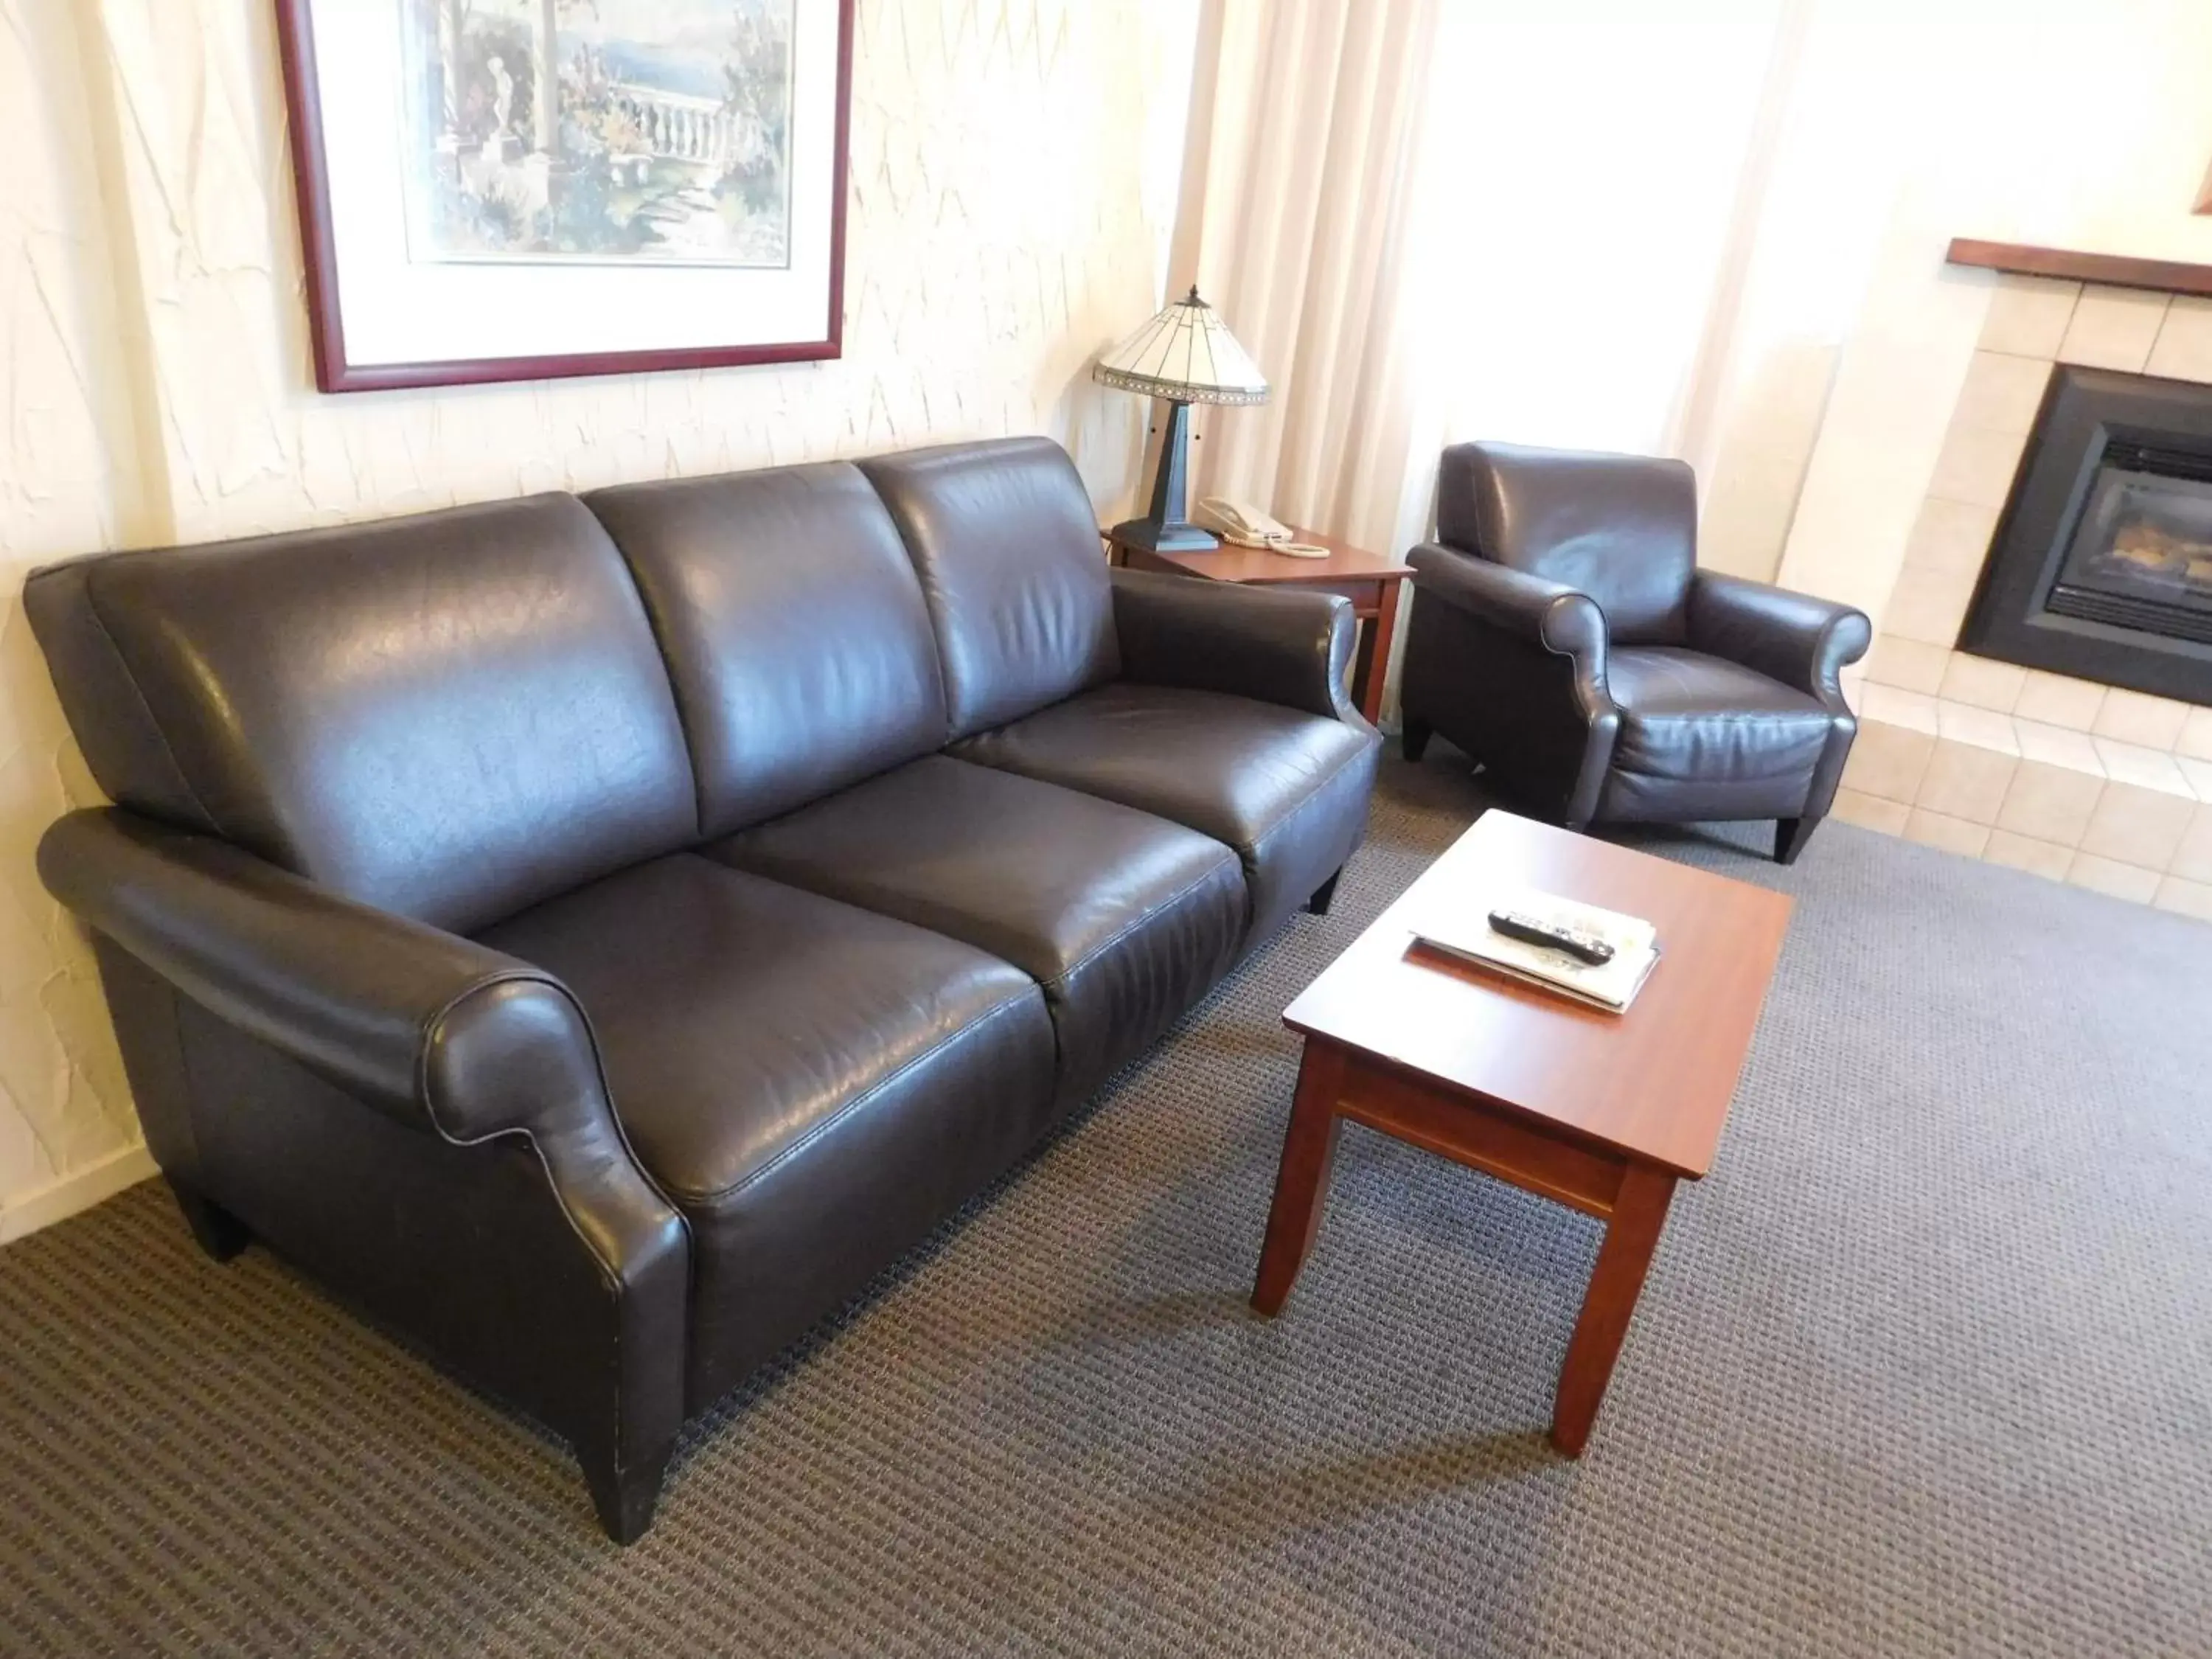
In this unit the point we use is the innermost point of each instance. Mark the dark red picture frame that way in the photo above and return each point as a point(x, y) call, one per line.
point(326, 325)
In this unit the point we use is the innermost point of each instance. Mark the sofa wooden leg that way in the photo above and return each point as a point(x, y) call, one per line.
point(1791, 836)
point(1324, 894)
point(624, 1495)
point(220, 1233)
point(1413, 736)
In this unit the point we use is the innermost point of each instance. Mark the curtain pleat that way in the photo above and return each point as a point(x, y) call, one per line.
point(1311, 110)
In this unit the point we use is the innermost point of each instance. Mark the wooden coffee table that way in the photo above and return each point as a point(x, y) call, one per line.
point(1601, 1112)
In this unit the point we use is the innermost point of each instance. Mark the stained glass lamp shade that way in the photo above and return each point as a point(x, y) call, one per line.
point(1187, 355)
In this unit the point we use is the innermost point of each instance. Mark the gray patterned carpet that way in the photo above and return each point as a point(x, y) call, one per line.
point(1925, 1367)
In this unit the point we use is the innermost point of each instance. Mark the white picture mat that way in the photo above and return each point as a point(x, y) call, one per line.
point(394, 310)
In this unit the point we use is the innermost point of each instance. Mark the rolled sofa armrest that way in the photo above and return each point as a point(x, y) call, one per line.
point(1274, 645)
point(449, 1038)
point(1551, 614)
point(1804, 642)
point(429, 1028)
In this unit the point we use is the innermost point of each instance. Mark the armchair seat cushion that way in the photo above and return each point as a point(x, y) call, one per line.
point(1692, 718)
point(1125, 919)
point(814, 1086)
point(1287, 790)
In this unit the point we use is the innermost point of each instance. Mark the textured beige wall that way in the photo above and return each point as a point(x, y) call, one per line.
point(63, 458)
point(1000, 232)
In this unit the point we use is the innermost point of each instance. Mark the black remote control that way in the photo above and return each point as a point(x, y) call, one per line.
point(1531, 930)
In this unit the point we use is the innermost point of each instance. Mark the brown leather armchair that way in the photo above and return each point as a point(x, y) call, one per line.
point(1565, 638)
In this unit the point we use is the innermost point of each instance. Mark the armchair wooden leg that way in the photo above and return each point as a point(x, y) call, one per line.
point(219, 1232)
point(1413, 736)
point(1791, 836)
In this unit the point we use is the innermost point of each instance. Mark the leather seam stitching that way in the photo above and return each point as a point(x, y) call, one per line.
point(1303, 806)
point(1104, 946)
point(525, 975)
point(427, 1032)
point(1556, 603)
point(717, 1194)
point(611, 1279)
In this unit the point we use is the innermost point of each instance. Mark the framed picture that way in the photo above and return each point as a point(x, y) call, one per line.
point(511, 189)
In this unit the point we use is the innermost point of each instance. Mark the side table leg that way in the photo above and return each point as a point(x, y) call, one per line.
point(1375, 660)
point(1302, 1181)
point(1631, 1237)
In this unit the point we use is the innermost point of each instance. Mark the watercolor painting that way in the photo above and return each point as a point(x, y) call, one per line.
point(599, 131)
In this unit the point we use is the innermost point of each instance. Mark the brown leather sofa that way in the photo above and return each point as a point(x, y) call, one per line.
point(1564, 636)
point(595, 937)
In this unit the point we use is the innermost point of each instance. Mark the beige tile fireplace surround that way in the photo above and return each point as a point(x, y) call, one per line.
point(2083, 783)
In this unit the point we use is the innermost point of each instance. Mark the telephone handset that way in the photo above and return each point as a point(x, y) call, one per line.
point(1248, 526)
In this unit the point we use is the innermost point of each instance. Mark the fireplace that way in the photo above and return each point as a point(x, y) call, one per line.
point(2102, 565)
point(2141, 555)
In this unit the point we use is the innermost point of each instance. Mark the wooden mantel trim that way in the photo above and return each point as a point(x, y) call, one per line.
point(2115, 270)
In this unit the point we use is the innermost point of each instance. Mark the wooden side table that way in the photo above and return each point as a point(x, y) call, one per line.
point(1372, 581)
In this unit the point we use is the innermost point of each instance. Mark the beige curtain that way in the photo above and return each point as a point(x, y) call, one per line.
point(1297, 188)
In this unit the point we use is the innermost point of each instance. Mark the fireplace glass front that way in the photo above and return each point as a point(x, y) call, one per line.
point(2142, 555)
point(2101, 568)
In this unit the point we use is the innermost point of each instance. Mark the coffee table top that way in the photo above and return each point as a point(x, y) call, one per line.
point(1652, 1084)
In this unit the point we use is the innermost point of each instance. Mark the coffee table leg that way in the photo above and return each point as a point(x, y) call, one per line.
point(1302, 1181)
point(1631, 1237)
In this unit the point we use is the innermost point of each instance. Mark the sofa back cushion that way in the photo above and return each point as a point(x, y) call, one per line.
point(1621, 528)
point(1003, 536)
point(449, 716)
point(794, 631)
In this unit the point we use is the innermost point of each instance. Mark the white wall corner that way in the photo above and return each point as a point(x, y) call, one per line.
point(1896, 385)
point(79, 1190)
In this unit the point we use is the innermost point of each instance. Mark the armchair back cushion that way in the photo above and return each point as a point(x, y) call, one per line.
point(795, 629)
point(1621, 528)
point(449, 717)
point(1006, 545)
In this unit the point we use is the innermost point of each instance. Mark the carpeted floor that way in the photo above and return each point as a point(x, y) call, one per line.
point(1925, 1367)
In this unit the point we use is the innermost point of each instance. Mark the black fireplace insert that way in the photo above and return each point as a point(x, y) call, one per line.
point(2102, 565)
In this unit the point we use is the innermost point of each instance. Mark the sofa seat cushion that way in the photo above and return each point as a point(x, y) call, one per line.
point(1686, 715)
point(1125, 919)
point(1287, 790)
point(815, 1086)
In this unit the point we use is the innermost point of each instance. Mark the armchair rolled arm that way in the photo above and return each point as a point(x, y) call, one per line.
point(1561, 619)
point(1274, 645)
point(1514, 673)
point(429, 1028)
point(1804, 642)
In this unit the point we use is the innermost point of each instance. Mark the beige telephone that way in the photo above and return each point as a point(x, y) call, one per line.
point(1248, 526)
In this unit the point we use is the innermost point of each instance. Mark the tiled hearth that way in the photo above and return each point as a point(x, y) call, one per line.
point(2101, 788)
